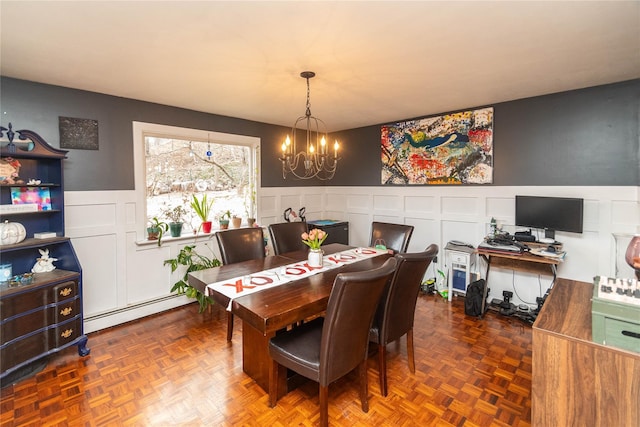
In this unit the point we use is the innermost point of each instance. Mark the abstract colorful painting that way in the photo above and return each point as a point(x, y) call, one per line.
point(31, 195)
point(449, 149)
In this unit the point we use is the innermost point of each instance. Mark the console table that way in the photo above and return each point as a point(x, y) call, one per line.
point(575, 381)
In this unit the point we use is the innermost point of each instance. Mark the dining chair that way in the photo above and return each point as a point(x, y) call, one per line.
point(397, 306)
point(328, 348)
point(286, 236)
point(237, 245)
point(395, 236)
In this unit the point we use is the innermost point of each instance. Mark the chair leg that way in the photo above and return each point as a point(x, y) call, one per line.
point(273, 384)
point(364, 386)
point(382, 368)
point(324, 406)
point(412, 362)
point(229, 325)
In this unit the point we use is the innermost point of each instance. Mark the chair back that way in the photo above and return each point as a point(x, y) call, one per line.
point(395, 312)
point(240, 244)
point(395, 236)
point(345, 333)
point(286, 236)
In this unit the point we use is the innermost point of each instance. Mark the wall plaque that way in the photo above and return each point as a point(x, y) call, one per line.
point(80, 134)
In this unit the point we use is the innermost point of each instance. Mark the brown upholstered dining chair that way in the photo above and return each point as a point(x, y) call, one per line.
point(286, 236)
point(328, 348)
point(395, 236)
point(237, 245)
point(395, 312)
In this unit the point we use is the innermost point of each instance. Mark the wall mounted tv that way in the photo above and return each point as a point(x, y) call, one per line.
point(550, 214)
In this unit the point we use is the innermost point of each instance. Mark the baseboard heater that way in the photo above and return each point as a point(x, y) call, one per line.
point(132, 307)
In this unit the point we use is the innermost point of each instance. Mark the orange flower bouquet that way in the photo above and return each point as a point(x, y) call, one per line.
point(314, 238)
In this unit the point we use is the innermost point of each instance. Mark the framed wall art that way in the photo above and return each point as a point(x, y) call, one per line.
point(453, 148)
point(80, 134)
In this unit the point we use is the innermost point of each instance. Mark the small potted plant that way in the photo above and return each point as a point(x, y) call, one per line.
point(236, 221)
point(224, 218)
point(202, 207)
point(176, 219)
point(249, 205)
point(156, 229)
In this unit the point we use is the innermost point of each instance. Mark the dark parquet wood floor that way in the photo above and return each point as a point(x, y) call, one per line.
point(176, 368)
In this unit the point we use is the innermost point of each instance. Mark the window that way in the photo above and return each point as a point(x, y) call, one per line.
point(180, 163)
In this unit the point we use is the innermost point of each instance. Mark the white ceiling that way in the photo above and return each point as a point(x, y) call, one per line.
point(376, 61)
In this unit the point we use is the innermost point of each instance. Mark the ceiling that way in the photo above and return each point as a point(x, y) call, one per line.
point(375, 61)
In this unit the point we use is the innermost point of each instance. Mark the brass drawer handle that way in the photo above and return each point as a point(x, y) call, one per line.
point(66, 311)
point(66, 292)
point(67, 333)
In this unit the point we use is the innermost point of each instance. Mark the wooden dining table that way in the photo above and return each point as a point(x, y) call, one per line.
point(268, 311)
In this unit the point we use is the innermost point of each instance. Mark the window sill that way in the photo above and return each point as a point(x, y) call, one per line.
point(186, 236)
point(183, 238)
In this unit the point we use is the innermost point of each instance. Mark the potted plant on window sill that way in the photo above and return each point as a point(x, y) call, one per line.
point(249, 205)
point(156, 229)
point(236, 221)
point(202, 208)
point(176, 218)
point(223, 219)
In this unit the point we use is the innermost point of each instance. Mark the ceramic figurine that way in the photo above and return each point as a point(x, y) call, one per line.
point(44, 263)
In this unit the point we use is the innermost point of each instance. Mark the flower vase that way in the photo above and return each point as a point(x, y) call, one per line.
point(315, 258)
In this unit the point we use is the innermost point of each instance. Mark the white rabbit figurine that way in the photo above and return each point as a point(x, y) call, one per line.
point(44, 263)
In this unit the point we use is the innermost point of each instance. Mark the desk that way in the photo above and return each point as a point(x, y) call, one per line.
point(265, 312)
point(575, 381)
point(519, 262)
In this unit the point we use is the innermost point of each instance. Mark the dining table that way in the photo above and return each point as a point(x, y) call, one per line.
point(267, 311)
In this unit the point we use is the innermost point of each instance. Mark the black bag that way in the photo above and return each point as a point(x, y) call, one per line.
point(473, 298)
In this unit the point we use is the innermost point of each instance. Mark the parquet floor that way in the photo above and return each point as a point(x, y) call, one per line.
point(176, 368)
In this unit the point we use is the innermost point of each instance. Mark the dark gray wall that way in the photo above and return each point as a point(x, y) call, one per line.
point(587, 137)
point(36, 107)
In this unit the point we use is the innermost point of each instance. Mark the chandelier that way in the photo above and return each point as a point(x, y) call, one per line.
point(318, 160)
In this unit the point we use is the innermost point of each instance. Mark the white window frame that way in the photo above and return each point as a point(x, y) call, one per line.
point(143, 129)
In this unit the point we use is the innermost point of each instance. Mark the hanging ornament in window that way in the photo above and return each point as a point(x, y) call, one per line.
point(208, 153)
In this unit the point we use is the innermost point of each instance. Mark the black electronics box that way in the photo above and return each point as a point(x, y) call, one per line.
point(524, 236)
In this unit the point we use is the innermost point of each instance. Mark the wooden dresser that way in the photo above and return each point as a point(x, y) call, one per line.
point(577, 382)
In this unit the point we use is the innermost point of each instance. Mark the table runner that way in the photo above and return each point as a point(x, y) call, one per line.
point(255, 282)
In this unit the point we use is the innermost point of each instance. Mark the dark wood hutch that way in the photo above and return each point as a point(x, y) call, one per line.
point(40, 313)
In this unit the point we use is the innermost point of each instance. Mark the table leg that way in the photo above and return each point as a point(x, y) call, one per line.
point(256, 361)
point(486, 284)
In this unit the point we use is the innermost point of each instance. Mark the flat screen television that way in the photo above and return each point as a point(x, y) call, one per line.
point(550, 214)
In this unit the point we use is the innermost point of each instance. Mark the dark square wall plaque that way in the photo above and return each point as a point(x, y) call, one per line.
point(80, 134)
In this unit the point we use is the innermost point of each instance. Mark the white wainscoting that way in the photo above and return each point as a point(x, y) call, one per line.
point(124, 277)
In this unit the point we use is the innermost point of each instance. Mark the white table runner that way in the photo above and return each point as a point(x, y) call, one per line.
point(255, 282)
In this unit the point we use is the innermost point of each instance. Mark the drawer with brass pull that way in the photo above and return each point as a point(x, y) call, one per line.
point(67, 332)
point(38, 319)
point(35, 297)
